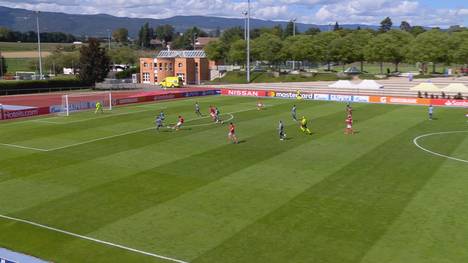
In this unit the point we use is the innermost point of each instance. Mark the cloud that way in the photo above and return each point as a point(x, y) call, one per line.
point(307, 11)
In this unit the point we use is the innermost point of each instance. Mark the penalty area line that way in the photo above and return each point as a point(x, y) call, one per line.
point(92, 239)
point(24, 147)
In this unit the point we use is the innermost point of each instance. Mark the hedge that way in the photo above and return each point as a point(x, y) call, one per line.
point(36, 86)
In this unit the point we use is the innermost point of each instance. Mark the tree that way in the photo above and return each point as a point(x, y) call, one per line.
point(144, 36)
point(405, 26)
point(416, 30)
point(232, 34)
point(5, 34)
point(300, 48)
point(386, 25)
point(322, 42)
point(398, 46)
point(3, 66)
point(268, 47)
point(388, 47)
point(59, 60)
point(340, 50)
point(165, 33)
point(336, 27)
point(237, 52)
point(312, 31)
point(430, 46)
point(215, 50)
point(358, 40)
point(376, 50)
point(123, 55)
point(120, 35)
point(289, 30)
point(94, 63)
point(458, 47)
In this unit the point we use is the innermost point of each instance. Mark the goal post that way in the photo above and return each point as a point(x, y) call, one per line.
point(74, 102)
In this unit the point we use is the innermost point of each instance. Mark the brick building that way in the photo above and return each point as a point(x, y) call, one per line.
point(192, 66)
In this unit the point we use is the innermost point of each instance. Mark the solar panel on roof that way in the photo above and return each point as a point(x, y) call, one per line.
point(182, 53)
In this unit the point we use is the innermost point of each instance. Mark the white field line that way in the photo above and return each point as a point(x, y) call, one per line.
point(415, 141)
point(24, 147)
point(119, 135)
point(93, 239)
point(128, 133)
point(89, 119)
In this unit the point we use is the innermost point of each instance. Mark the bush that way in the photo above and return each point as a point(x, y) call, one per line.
point(34, 86)
point(127, 73)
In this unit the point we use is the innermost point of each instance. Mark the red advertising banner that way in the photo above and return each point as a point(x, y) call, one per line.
point(450, 103)
point(9, 115)
point(244, 93)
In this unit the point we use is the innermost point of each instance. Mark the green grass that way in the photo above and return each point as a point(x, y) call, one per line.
point(20, 64)
point(369, 197)
point(237, 77)
point(14, 46)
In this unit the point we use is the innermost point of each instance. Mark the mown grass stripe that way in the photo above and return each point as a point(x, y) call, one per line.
point(348, 211)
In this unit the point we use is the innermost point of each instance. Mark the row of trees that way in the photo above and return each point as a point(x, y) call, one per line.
point(6, 35)
point(344, 46)
point(59, 59)
point(166, 33)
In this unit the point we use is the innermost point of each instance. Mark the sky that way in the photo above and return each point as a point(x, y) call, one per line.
point(442, 13)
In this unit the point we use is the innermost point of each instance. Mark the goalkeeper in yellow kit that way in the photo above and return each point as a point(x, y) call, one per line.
point(98, 108)
point(304, 126)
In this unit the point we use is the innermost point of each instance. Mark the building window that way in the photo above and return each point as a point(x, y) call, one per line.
point(155, 65)
point(180, 65)
point(165, 66)
point(196, 65)
point(146, 77)
point(160, 66)
point(145, 65)
point(170, 66)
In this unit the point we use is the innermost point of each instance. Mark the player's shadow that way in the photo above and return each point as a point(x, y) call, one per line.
point(241, 141)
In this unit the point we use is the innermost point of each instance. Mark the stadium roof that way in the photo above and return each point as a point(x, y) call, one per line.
point(181, 54)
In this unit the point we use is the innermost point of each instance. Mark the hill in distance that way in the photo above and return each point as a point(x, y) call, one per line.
point(97, 25)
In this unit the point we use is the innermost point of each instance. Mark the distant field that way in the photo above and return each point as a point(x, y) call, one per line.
point(372, 197)
point(14, 46)
point(19, 64)
point(24, 54)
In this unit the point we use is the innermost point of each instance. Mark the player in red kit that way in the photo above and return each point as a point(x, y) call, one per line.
point(213, 113)
point(179, 124)
point(349, 125)
point(232, 133)
point(349, 109)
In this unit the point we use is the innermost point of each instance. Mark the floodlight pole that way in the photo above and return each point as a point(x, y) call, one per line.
point(245, 25)
point(294, 34)
point(39, 45)
point(248, 41)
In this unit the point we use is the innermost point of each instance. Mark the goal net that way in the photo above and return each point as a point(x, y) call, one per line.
point(85, 101)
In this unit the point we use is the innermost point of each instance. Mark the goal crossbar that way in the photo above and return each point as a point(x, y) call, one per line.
point(85, 101)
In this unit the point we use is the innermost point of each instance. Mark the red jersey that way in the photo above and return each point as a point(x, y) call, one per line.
point(232, 128)
point(212, 110)
point(349, 121)
point(181, 120)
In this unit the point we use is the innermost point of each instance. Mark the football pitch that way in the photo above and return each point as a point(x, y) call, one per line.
point(110, 188)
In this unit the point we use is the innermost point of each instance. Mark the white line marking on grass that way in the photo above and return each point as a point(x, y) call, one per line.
point(93, 239)
point(95, 118)
point(122, 134)
point(24, 147)
point(415, 141)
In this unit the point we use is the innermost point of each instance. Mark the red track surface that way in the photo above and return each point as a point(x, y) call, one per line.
point(49, 99)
